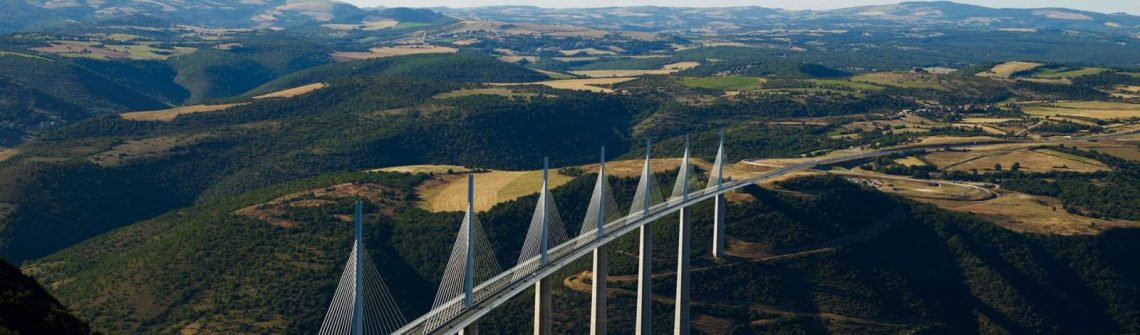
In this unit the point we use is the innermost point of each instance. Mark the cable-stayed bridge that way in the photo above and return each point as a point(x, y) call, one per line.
point(473, 282)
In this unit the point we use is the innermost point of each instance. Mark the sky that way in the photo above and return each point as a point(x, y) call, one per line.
point(1104, 6)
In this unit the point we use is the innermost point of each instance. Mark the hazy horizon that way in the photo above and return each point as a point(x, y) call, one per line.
point(1103, 6)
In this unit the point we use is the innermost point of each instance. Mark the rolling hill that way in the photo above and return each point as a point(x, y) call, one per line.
point(891, 267)
point(39, 14)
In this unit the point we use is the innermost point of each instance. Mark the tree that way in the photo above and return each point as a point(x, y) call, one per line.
point(997, 166)
point(1016, 167)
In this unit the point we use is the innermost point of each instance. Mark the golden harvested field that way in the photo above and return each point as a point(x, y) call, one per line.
point(516, 59)
point(1004, 70)
point(1030, 161)
point(1131, 153)
point(6, 153)
point(168, 115)
point(987, 119)
point(592, 84)
point(1031, 213)
point(402, 50)
point(1092, 109)
point(587, 51)
point(910, 161)
point(666, 69)
point(292, 92)
point(476, 91)
point(491, 188)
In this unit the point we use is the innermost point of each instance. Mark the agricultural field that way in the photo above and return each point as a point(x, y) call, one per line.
point(1032, 213)
point(366, 26)
point(600, 85)
point(666, 69)
point(1126, 92)
point(725, 83)
point(983, 160)
point(850, 85)
point(98, 50)
point(902, 79)
point(1005, 70)
point(448, 193)
point(1067, 72)
point(555, 75)
point(168, 115)
point(1103, 110)
point(477, 91)
point(402, 50)
point(910, 161)
point(6, 153)
point(292, 92)
point(588, 51)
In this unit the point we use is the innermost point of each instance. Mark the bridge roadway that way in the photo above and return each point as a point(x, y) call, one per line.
point(499, 289)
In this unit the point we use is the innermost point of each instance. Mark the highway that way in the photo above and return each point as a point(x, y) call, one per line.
point(451, 318)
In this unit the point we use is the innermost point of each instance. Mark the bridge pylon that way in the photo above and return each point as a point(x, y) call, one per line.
point(681, 315)
point(471, 263)
point(715, 184)
point(362, 303)
point(644, 199)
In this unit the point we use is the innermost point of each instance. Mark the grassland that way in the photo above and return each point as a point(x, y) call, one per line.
point(901, 79)
point(97, 50)
point(847, 84)
point(1005, 70)
point(366, 26)
point(1068, 72)
point(432, 169)
point(726, 83)
point(6, 153)
point(666, 69)
point(135, 150)
point(1031, 213)
point(1091, 109)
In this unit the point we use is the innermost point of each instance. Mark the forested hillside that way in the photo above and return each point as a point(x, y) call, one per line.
point(836, 258)
point(356, 123)
point(26, 308)
point(460, 68)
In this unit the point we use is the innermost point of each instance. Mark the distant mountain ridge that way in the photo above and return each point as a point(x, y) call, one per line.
point(39, 14)
point(924, 14)
point(18, 15)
